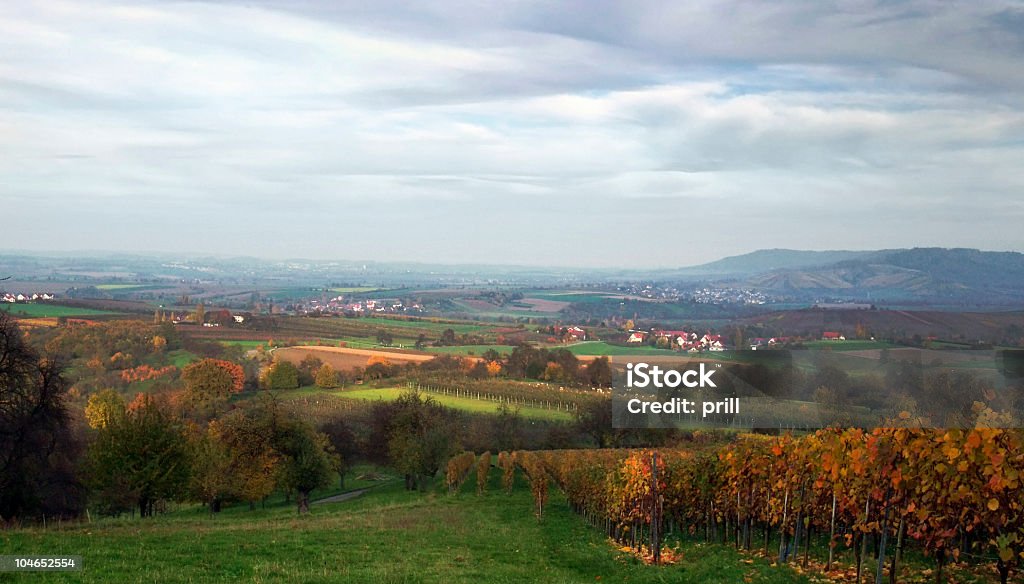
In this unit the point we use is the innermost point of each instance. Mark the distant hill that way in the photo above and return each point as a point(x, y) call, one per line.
point(985, 326)
point(773, 259)
point(929, 274)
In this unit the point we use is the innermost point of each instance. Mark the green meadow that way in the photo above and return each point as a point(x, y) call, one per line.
point(386, 535)
point(44, 310)
point(459, 403)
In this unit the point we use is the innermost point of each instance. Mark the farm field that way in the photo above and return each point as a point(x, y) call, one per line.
point(458, 403)
point(343, 358)
point(35, 310)
point(385, 535)
point(355, 289)
point(436, 326)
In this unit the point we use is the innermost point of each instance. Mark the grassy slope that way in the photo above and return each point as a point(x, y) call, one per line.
point(387, 535)
point(42, 310)
point(459, 403)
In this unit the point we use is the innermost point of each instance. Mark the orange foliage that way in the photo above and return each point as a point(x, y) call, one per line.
point(145, 373)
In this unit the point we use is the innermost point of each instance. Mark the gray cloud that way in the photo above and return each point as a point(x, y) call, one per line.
point(591, 133)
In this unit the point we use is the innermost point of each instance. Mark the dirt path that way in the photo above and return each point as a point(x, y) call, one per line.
point(343, 496)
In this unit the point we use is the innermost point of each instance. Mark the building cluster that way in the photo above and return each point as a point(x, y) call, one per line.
point(769, 343)
point(728, 296)
point(338, 305)
point(679, 340)
point(13, 298)
point(710, 295)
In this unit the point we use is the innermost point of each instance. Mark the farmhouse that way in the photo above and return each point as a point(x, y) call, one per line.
point(637, 337)
point(832, 336)
point(573, 333)
point(711, 342)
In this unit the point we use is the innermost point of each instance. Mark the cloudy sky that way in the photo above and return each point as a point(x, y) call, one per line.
point(584, 133)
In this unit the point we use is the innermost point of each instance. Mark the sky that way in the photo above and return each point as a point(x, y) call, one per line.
point(580, 133)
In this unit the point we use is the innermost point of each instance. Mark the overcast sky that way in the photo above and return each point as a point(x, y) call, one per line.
point(585, 133)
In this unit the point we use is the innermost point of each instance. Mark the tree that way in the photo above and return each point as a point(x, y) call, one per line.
point(479, 371)
point(214, 478)
point(344, 442)
point(200, 314)
point(378, 367)
point(420, 439)
point(282, 375)
point(140, 458)
point(384, 338)
point(308, 367)
point(208, 384)
point(254, 461)
point(38, 452)
point(594, 418)
point(508, 429)
point(326, 377)
point(159, 344)
point(447, 338)
point(103, 407)
point(309, 460)
point(599, 372)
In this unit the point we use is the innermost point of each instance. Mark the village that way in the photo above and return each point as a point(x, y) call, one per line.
point(15, 298)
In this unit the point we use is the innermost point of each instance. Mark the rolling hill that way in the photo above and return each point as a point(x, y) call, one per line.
point(966, 276)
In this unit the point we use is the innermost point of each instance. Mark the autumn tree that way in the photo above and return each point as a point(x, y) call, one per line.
point(326, 377)
point(159, 344)
point(208, 384)
point(214, 478)
point(103, 407)
point(248, 436)
point(139, 459)
point(378, 367)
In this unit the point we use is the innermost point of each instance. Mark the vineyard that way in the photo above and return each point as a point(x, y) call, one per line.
point(522, 394)
point(951, 496)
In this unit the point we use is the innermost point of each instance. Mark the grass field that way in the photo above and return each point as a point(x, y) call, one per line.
point(851, 345)
point(180, 358)
point(110, 287)
point(247, 344)
point(476, 350)
point(35, 310)
point(437, 327)
point(601, 348)
point(458, 403)
point(386, 535)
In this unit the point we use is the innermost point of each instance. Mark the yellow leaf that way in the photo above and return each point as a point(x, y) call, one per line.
point(993, 504)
